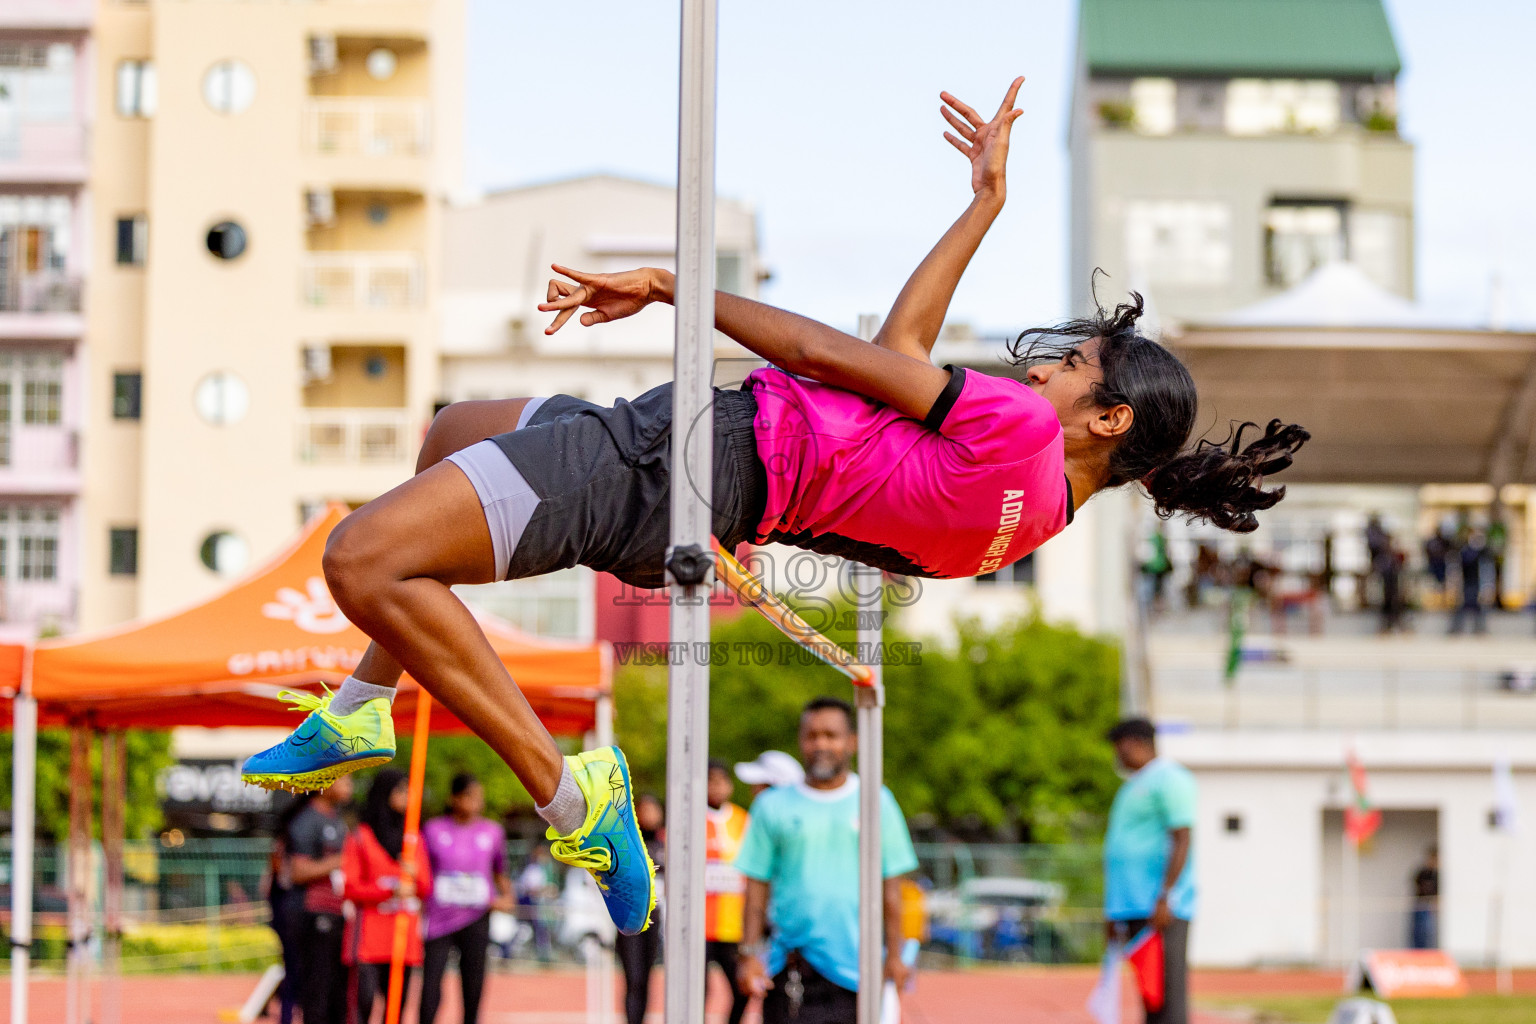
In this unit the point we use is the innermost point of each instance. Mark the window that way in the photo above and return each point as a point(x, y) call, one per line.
point(132, 240)
point(29, 543)
point(1299, 237)
point(1233, 823)
point(1179, 241)
point(37, 84)
point(728, 272)
point(127, 395)
point(1153, 105)
point(1262, 107)
point(38, 377)
point(42, 389)
point(222, 398)
point(229, 87)
point(123, 558)
point(226, 240)
point(1020, 573)
point(138, 93)
point(224, 552)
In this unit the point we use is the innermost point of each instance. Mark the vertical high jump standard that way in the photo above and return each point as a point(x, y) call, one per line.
point(689, 563)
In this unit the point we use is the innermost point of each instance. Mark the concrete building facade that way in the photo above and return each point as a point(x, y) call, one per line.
point(264, 229)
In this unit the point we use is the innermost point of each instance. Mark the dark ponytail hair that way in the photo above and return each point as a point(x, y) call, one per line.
point(1221, 483)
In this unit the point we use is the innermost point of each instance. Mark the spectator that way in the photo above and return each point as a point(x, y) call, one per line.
point(315, 841)
point(1156, 569)
point(378, 892)
point(1437, 558)
point(1392, 602)
point(287, 902)
point(772, 768)
point(1424, 928)
point(1497, 539)
point(1148, 876)
point(469, 864)
point(801, 851)
point(639, 953)
point(724, 887)
point(536, 888)
point(1471, 557)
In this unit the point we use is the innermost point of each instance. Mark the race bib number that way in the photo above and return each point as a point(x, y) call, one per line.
point(461, 889)
point(723, 878)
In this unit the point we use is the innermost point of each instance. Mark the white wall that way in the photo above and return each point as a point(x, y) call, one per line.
point(1263, 896)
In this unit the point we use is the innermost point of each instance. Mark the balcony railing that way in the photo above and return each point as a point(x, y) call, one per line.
point(362, 280)
point(48, 291)
point(345, 126)
point(30, 449)
point(45, 604)
point(44, 152)
point(354, 436)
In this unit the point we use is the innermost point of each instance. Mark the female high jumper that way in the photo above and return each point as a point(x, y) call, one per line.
point(839, 446)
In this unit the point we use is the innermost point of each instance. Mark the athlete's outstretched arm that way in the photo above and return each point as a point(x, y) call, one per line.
point(788, 340)
point(918, 315)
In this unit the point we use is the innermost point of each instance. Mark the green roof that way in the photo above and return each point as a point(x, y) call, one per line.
point(1236, 38)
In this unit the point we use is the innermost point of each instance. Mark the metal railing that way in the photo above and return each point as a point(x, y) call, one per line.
point(366, 436)
point(44, 148)
point(45, 604)
point(362, 280)
point(348, 126)
point(200, 904)
point(47, 291)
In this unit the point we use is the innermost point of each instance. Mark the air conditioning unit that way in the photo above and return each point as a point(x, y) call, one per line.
point(317, 363)
point(322, 55)
point(319, 207)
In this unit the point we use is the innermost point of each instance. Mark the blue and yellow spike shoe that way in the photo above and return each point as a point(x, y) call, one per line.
point(608, 844)
point(325, 746)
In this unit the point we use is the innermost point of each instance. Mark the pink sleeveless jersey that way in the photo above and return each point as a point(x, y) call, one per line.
point(976, 486)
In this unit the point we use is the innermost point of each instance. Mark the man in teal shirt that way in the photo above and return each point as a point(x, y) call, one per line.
point(802, 849)
point(1148, 869)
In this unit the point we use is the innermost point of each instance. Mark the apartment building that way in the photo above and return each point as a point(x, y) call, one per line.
point(1222, 152)
point(260, 258)
point(45, 101)
point(497, 252)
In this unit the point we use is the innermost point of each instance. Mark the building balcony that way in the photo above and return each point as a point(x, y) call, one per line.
point(44, 153)
point(39, 460)
point(362, 280)
point(43, 306)
point(28, 607)
point(357, 437)
point(348, 126)
point(75, 15)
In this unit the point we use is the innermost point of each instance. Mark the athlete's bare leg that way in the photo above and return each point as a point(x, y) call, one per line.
point(455, 428)
point(390, 565)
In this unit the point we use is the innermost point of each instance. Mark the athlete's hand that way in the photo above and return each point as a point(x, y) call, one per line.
point(984, 143)
point(608, 296)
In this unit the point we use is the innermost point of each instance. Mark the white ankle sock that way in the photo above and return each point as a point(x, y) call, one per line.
point(567, 809)
point(354, 693)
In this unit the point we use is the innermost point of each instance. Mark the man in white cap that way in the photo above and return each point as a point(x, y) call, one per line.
point(772, 768)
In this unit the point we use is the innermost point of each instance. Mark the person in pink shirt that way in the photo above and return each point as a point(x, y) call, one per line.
point(839, 446)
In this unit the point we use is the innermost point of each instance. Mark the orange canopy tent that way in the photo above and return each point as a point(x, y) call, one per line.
point(222, 662)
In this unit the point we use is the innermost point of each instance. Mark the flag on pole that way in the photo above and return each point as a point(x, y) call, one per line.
point(1361, 818)
point(1506, 805)
point(1145, 955)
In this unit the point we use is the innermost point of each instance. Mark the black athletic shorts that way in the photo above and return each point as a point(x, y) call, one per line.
point(601, 479)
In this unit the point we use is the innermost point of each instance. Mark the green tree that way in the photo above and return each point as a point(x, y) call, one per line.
point(1002, 734)
point(148, 754)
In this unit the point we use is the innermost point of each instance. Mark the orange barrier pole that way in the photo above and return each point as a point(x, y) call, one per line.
point(403, 920)
point(751, 590)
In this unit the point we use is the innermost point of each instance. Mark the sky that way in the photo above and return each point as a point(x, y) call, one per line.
point(828, 125)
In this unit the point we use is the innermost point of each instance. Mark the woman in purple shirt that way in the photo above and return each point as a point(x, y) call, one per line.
point(469, 880)
point(843, 447)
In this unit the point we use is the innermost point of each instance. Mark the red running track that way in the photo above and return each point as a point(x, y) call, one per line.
point(1044, 995)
